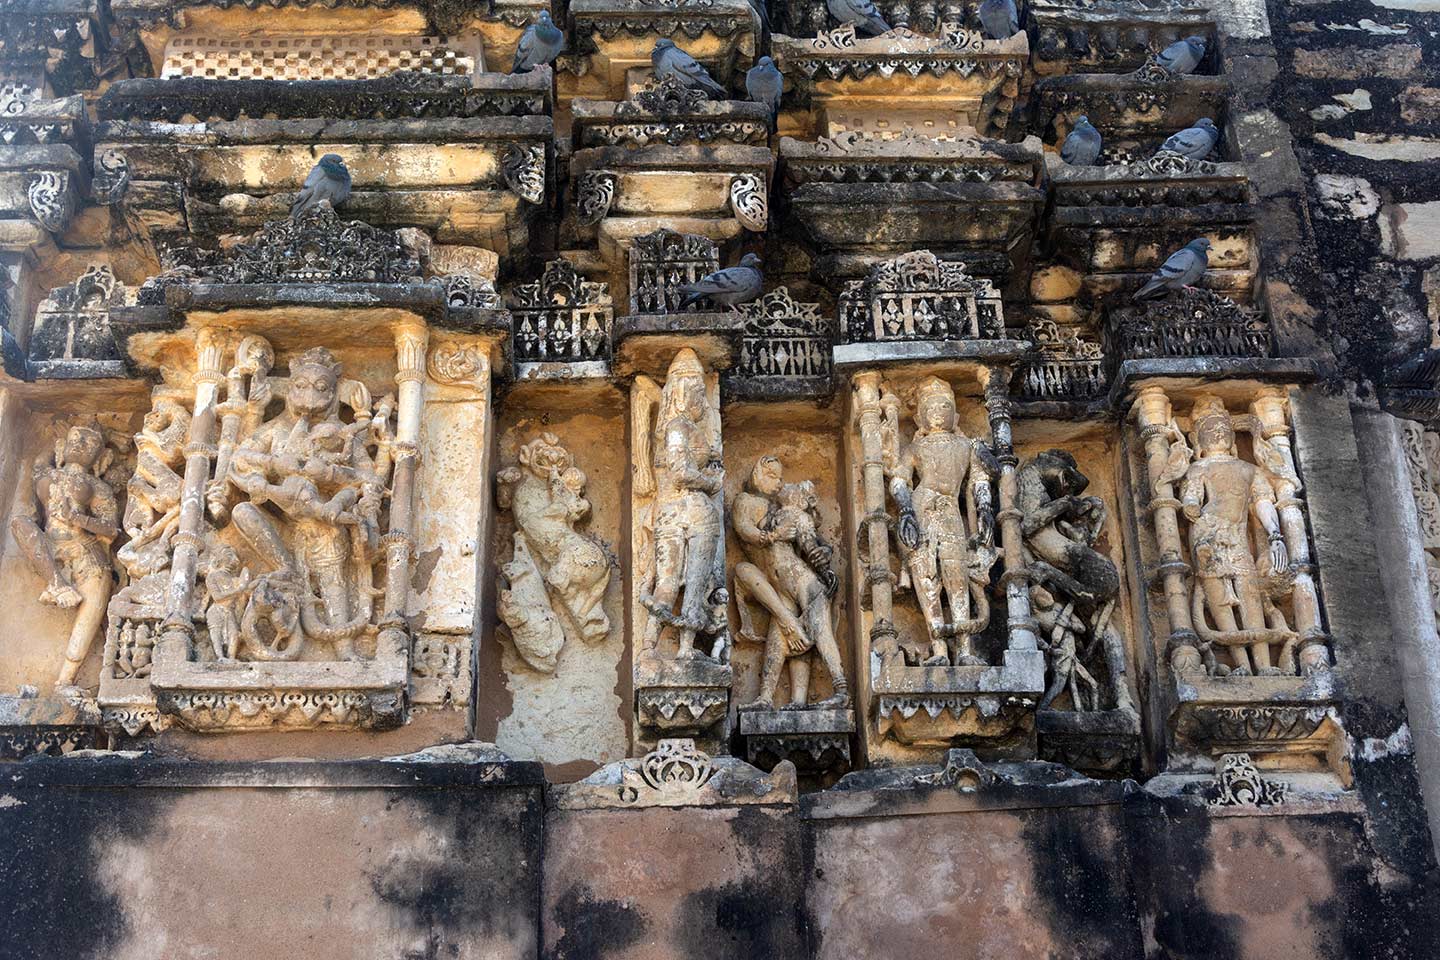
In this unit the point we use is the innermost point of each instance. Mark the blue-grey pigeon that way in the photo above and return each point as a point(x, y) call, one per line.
point(1181, 269)
point(541, 43)
point(328, 180)
point(670, 61)
point(765, 84)
point(999, 18)
point(862, 13)
point(729, 287)
point(1082, 147)
point(1182, 56)
point(1194, 143)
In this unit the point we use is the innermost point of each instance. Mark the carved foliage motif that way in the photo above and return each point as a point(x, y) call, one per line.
point(593, 195)
point(52, 201)
point(918, 296)
point(1187, 323)
point(750, 202)
point(562, 317)
point(319, 247)
point(664, 261)
point(1239, 783)
point(523, 167)
point(784, 338)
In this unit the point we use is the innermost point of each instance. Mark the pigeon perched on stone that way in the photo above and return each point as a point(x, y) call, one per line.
point(999, 18)
point(862, 13)
point(729, 287)
point(1181, 269)
point(1182, 56)
point(541, 43)
point(328, 180)
point(765, 84)
point(1194, 143)
point(1082, 147)
point(670, 61)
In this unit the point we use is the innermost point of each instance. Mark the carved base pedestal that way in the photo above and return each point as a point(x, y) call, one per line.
point(30, 726)
point(816, 741)
point(989, 709)
point(683, 698)
point(1258, 715)
point(1099, 743)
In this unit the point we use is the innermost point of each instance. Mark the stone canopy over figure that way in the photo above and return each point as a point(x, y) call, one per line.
point(941, 484)
point(677, 462)
point(68, 542)
point(788, 574)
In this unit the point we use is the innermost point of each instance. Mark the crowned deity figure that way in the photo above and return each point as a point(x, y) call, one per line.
point(68, 543)
point(1237, 544)
point(678, 463)
point(313, 492)
point(940, 481)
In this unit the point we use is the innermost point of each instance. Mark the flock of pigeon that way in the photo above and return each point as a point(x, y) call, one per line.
point(542, 42)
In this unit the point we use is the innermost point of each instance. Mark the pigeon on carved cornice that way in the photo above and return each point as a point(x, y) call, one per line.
point(328, 180)
point(1182, 56)
point(541, 43)
point(765, 84)
point(729, 287)
point(670, 61)
point(1082, 147)
point(1180, 270)
point(999, 18)
point(1193, 143)
point(861, 13)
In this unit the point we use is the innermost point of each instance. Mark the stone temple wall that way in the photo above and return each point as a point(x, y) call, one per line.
point(707, 479)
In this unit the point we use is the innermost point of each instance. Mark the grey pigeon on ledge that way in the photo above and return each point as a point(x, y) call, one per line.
point(765, 84)
point(999, 18)
point(1182, 56)
point(1082, 147)
point(670, 61)
point(862, 13)
point(729, 287)
point(541, 43)
point(1181, 269)
point(1194, 143)
point(327, 180)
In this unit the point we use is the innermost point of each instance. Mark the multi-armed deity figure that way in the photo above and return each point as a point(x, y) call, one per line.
point(312, 492)
point(677, 462)
point(1237, 576)
point(788, 573)
point(556, 577)
point(68, 543)
point(940, 481)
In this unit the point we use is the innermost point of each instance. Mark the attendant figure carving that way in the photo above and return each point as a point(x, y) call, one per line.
point(789, 575)
point(67, 542)
point(677, 463)
point(940, 482)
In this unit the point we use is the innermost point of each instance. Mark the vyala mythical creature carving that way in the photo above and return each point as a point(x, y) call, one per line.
point(1240, 560)
point(554, 583)
point(940, 481)
point(67, 542)
point(789, 575)
point(1073, 586)
point(677, 466)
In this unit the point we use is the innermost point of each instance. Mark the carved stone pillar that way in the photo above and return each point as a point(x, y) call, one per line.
point(1015, 579)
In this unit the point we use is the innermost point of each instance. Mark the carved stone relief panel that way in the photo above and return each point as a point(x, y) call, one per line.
point(71, 334)
point(794, 657)
point(936, 510)
point(270, 530)
point(681, 644)
point(1422, 460)
point(320, 57)
point(549, 686)
point(1215, 482)
point(562, 318)
point(664, 261)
